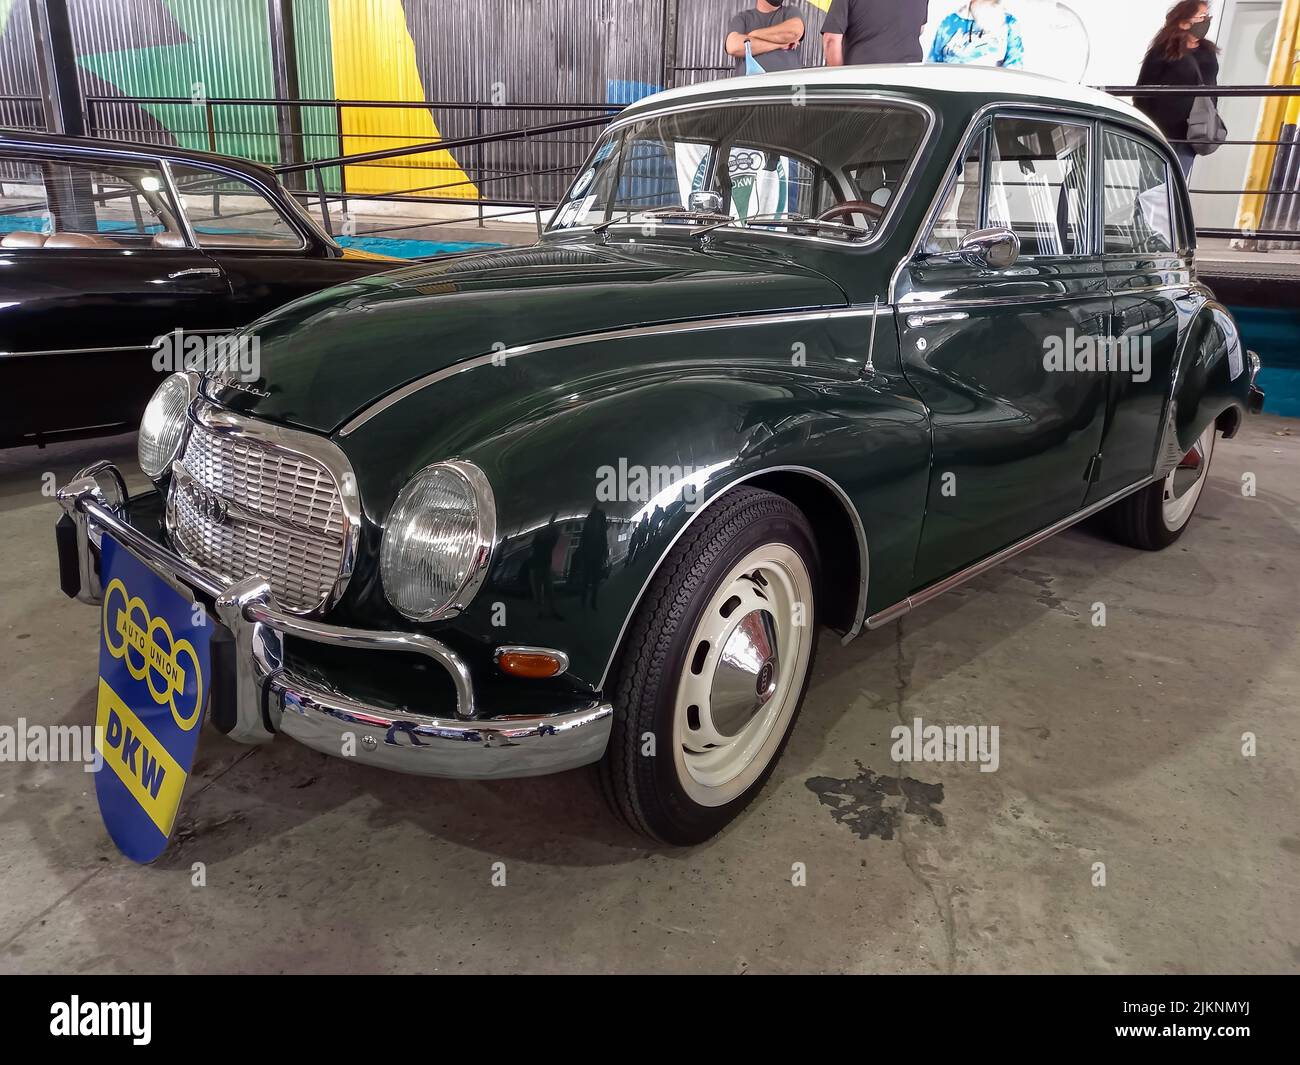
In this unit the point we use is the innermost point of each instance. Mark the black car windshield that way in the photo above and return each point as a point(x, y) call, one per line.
point(786, 162)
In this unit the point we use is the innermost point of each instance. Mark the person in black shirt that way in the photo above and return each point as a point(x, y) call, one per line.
point(873, 31)
point(1180, 54)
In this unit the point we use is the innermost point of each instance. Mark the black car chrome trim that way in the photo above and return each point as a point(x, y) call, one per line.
point(864, 559)
point(496, 358)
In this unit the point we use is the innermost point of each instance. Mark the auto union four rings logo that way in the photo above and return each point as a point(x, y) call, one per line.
point(133, 636)
point(206, 502)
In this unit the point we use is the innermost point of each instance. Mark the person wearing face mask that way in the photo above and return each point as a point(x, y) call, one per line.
point(1180, 54)
point(772, 32)
point(982, 33)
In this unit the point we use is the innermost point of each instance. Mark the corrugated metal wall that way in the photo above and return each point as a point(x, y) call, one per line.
point(179, 48)
point(498, 52)
point(18, 68)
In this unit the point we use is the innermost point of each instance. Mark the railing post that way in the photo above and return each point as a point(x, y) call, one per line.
point(478, 160)
point(324, 203)
point(210, 118)
point(343, 170)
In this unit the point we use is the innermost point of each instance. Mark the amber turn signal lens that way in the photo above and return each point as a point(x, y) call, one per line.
point(533, 665)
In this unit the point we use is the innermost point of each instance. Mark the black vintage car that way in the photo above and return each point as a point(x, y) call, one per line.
point(105, 246)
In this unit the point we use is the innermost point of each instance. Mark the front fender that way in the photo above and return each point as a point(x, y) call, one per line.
point(600, 457)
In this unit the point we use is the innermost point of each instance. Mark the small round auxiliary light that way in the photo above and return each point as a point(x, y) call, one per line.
point(531, 663)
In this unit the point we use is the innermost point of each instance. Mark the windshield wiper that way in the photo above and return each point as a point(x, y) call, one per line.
point(790, 218)
point(600, 227)
point(687, 215)
point(665, 214)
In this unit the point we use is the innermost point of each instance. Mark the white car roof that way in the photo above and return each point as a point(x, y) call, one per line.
point(932, 77)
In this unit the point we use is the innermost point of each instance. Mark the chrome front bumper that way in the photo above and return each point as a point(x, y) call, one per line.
point(267, 698)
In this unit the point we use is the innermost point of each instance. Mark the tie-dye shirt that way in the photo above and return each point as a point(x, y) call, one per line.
point(960, 39)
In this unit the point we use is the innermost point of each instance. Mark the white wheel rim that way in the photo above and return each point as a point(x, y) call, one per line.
point(744, 670)
point(1183, 484)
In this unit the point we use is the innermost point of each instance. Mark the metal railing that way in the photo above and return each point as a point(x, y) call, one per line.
point(506, 165)
point(291, 134)
point(1279, 221)
point(425, 193)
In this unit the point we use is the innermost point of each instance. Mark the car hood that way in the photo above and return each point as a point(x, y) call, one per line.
point(323, 358)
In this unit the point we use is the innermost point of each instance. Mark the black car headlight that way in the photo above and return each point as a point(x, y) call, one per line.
point(164, 425)
point(438, 540)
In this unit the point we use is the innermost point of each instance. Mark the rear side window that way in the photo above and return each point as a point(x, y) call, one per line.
point(50, 203)
point(228, 212)
point(1136, 193)
point(1038, 184)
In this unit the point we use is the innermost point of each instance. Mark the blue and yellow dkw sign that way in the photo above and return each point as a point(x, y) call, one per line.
point(153, 665)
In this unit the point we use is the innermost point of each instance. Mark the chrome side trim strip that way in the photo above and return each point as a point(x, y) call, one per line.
point(499, 357)
point(860, 533)
point(933, 591)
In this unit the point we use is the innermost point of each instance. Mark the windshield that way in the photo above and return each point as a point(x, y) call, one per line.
point(786, 163)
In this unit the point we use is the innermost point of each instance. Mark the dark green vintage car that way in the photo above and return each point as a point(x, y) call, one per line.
point(798, 349)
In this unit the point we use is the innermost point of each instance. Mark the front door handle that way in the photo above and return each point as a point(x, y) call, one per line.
point(918, 320)
point(195, 271)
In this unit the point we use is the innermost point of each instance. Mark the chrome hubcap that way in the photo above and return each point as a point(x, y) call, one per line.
point(747, 673)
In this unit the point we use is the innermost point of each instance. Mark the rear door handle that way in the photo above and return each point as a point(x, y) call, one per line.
point(195, 271)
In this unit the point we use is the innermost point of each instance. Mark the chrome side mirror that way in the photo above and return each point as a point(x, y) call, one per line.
point(995, 248)
point(705, 202)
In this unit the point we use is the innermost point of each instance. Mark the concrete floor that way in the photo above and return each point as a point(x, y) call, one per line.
point(1118, 745)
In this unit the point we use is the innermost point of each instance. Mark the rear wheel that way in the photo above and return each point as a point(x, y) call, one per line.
point(713, 669)
point(1157, 515)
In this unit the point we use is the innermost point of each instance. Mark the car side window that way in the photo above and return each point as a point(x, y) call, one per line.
point(1136, 195)
point(63, 204)
point(228, 212)
point(1038, 184)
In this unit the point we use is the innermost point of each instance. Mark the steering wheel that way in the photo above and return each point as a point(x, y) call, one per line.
point(874, 212)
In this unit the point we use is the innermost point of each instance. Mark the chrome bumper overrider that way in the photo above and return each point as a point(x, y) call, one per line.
point(269, 698)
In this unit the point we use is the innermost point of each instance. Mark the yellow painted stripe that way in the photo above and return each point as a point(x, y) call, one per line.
point(374, 59)
point(1276, 111)
point(162, 798)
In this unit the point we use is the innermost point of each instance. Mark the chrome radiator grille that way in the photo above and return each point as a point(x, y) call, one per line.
point(240, 504)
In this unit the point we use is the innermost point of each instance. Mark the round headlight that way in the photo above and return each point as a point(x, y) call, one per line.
point(162, 429)
point(437, 540)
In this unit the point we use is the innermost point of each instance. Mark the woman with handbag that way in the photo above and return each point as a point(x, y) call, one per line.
point(1181, 54)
